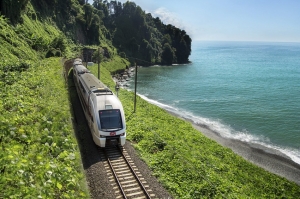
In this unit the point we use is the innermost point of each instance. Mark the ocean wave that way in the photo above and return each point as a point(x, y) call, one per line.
point(157, 103)
point(226, 131)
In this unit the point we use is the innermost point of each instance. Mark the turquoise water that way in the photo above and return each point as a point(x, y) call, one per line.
point(243, 90)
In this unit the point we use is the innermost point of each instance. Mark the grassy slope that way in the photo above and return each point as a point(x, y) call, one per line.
point(39, 154)
point(13, 46)
point(107, 68)
point(191, 165)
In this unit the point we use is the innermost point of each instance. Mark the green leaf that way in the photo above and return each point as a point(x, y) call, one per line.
point(72, 156)
point(58, 185)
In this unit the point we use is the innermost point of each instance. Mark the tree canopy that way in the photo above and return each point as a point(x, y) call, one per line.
point(133, 32)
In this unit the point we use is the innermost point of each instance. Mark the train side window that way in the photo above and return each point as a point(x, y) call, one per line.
point(81, 86)
point(91, 116)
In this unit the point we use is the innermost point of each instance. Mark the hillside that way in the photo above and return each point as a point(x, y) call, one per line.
point(39, 155)
point(122, 29)
point(39, 152)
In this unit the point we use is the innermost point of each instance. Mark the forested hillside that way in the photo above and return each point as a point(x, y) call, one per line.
point(39, 155)
point(135, 34)
point(139, 35)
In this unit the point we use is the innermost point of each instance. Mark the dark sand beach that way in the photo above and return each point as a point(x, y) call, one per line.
point(269, 159)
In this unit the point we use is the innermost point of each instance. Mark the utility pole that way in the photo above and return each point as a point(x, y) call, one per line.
point(135, 84)
point(117, 87)
point(99, 63)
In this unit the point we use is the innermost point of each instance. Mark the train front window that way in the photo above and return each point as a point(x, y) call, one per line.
point(110, 119)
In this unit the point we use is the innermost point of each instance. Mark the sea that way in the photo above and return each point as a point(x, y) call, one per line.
point(249, 91)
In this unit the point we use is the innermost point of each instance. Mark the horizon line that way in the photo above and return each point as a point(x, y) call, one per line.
point(257, 41)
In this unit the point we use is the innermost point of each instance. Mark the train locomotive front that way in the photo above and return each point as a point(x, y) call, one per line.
point(102, 108)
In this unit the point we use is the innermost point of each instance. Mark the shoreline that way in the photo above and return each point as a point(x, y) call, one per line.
point(269, 159)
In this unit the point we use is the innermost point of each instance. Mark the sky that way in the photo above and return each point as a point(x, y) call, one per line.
point(229, 20)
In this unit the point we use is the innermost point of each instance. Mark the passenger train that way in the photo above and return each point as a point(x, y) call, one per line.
point(102, 108)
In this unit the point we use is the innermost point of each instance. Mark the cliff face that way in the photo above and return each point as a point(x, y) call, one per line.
point(79, 35)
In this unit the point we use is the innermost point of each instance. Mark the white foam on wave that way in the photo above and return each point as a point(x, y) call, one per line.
point(227, 131)
point(292, 153)
point(157, 103)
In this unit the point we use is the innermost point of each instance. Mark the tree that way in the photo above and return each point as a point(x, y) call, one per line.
point(167, 39)
point(139, 35)
point(101, 6)
point(167, 54)
point(82, 2)
point(13, 9)
point(88, 12)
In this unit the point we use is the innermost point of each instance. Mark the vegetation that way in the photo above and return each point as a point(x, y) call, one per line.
point(190, 165)
point(141, 36)
point(39, 154)
point(13, 9)
point(136, 35)
point(187, 163)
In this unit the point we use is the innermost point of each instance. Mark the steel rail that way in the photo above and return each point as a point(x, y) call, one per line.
point(135, 175)
point(115, 175)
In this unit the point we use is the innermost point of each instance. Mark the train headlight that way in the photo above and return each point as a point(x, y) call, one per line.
point(102, 136)
point(122, 134)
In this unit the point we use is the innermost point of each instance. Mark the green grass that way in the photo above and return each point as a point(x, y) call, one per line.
point(116, 64)
point(107, 68)
point(190, 165)
point(39, 154)
point(14, 46)
point(38, 146)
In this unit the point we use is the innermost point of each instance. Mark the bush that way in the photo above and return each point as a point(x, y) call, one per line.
point(39, 154)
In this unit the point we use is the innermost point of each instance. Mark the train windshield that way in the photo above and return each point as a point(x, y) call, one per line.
point(110, 119)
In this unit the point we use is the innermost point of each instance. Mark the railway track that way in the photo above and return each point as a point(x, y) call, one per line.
point(124, 175)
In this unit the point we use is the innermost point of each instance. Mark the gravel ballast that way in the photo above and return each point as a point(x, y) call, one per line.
point(97, 180)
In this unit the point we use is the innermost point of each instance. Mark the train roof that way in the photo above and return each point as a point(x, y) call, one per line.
point(95, 85)
point(105, 102)
point(81, 69)
point(77, 61)
point(103, 96)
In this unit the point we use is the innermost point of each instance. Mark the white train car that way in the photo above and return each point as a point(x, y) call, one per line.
point(102, 108)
